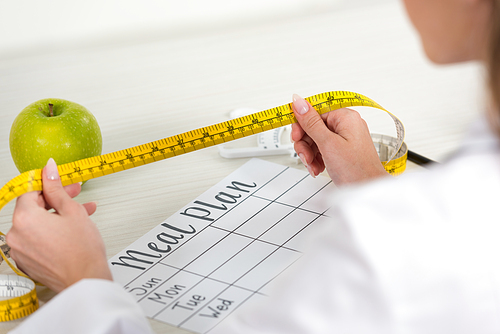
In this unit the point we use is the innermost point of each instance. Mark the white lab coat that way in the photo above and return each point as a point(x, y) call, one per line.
point(90, 306)
point(415, 254)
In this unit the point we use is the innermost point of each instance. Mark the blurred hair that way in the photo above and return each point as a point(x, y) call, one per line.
point(494, 62)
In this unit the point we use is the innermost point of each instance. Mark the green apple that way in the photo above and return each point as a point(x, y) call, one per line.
point(53, 128)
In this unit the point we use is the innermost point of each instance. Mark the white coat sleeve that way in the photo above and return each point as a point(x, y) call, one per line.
point(88, 306)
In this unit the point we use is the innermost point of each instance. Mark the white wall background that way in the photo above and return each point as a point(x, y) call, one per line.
point(27, 25)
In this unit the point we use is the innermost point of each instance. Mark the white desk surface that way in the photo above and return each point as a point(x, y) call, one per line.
point(153, 87)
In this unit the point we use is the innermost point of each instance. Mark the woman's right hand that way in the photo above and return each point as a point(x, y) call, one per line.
point(338, 141)
point(56, 248)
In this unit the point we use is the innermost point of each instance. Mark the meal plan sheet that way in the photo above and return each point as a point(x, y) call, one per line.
point(225, 247)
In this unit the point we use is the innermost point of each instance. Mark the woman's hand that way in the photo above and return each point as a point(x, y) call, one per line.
point(338, 141)
point(60, 247)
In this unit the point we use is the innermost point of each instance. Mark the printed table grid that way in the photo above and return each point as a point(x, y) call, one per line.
point(212, 272)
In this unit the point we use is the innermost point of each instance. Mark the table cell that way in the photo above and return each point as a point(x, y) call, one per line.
point(322, 200)
point(264, 219)
point(191, 302)
point(268, 269)
point(195, 246)
point(216, 310)
point(174, 285)
point(299, 241)
point(281, 184)
point(289, 227)
point(240, 214)
point(217, 254)
point(304, 191)
point(150, 279)
point(243, 262)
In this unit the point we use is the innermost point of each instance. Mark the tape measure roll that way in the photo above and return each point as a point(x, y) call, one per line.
point(90, 168)
point(387, 147)
point(21, 297)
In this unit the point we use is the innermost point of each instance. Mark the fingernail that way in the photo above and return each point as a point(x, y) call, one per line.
point(51, 170)
point(309, 169)
point(291, 139)
point(303, 159)
point(300, 104)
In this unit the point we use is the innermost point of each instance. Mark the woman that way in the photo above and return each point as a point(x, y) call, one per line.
point(424, 261)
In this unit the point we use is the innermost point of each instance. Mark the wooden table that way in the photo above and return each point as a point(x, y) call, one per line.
point(155, 86)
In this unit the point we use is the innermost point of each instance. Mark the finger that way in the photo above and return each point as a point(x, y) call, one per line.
point(310, 143)
point(91, 207)
point(321, 162)
point(73, 189)
point(27, 201)
point(310, 121)
point(53, 191)
point(318, 165)
point(297, 132)
point(347, 123)
point(306, 149)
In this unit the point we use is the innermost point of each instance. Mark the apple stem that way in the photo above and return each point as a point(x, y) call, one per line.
point(50, 110)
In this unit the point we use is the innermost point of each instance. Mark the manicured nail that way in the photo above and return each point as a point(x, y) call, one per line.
point(291, 139)
point(51, 170)
point(300, 104)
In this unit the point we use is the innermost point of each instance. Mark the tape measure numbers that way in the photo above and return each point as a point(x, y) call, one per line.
point(90, 168)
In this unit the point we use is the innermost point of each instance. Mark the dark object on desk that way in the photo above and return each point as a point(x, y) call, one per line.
point(420, 160)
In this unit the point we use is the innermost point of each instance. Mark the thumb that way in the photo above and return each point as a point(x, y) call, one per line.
point(53, 191)
point(310, 121)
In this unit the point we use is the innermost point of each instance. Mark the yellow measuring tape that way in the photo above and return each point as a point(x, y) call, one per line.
point(393, 149)
point(17, 292)
point(21, 294)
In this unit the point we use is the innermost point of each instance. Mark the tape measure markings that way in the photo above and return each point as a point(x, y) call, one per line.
point(190, 141)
